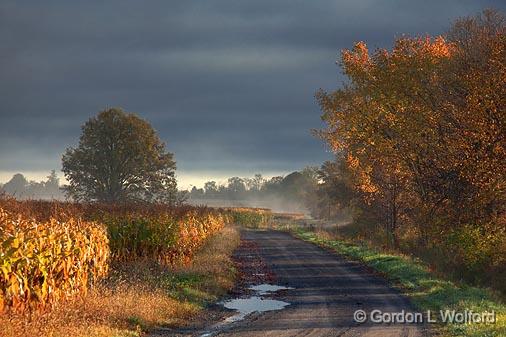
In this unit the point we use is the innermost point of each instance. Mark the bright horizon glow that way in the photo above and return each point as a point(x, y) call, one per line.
point(185, 181)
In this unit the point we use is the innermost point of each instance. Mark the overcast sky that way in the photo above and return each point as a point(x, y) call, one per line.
point(228, 85)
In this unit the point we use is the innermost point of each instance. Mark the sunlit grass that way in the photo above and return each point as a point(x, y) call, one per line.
point(426, 291)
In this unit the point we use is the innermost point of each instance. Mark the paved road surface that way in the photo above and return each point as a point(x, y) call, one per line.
point(328, 289)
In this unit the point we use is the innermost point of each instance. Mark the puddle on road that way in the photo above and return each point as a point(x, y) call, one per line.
point(246, 306)
point(249, 305)
point(264, 289)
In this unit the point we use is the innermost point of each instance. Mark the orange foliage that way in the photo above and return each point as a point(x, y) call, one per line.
point(423, 128)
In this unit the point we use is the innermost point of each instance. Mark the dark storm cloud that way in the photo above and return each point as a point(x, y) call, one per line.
point(228, 84)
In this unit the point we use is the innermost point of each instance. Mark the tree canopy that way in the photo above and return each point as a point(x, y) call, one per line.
point(420, 135)
point(119, 158)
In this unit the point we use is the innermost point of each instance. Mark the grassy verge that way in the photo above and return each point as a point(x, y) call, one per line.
point(138, 296)
point(426, 291)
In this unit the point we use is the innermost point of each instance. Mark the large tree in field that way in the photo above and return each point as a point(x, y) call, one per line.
point(119, 158)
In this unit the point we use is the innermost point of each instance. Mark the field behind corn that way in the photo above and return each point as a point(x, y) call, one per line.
point(101, 270)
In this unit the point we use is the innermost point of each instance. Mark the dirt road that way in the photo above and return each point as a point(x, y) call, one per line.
point(328, 289)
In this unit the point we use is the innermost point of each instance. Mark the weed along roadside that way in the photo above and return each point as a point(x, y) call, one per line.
point(253, 168)
point(444, 300)
point(141, 270)
point(146, 267)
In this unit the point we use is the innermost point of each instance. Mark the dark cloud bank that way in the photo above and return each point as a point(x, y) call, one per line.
point(228, 84)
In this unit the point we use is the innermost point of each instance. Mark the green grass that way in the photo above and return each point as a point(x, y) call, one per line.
point(426, 291)
point(186, 287)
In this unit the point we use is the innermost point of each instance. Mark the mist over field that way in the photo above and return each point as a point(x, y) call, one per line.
point(276, 204)
point(252, 168)
point(229, 86)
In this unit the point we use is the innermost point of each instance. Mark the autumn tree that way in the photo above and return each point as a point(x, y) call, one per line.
point(421, 128)
point(119, 158)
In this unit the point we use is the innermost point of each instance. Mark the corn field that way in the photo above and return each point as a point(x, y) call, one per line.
point(52, 251)
point(44, 262)
point(166, 238)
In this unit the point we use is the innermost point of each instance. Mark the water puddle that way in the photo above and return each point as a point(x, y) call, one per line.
point(264, 289)
point(256, 303)
point(246, 306)
point(249, 305)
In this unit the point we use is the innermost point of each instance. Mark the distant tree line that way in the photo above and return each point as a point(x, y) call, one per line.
point(296, 188)
point(19, 187)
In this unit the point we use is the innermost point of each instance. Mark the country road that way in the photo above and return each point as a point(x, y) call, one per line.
point(327, 289)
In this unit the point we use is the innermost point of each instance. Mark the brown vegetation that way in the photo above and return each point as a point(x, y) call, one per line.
point(420, 137)
point(165, 264)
